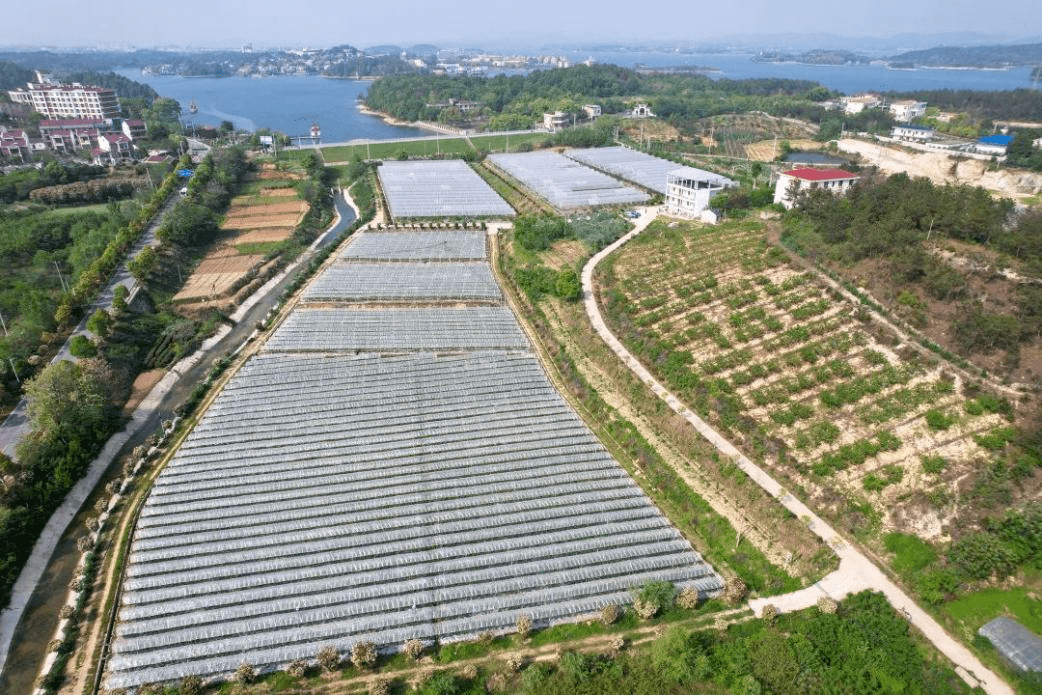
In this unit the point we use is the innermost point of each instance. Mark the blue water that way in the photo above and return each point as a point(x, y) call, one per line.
point(286, 104)
point(848, 79)
point(292, 104)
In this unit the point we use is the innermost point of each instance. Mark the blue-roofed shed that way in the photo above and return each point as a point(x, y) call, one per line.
point(1001, 140)
point(1017, 644)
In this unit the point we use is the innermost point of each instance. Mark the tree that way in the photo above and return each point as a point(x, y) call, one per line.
point(67, 398)
point(142, 265)
point(567, 286)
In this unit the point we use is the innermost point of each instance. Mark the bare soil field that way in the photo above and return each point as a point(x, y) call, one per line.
point(217, 273)
point(256, 221)
point(264, 235)
point(862, 426)
point(142, 385)
point(240, 209)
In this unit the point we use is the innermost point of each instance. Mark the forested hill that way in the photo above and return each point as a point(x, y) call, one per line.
point(13, 75)
point(973, 56)
point(513, 101)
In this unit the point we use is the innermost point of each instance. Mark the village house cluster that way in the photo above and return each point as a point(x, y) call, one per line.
point(77, 118)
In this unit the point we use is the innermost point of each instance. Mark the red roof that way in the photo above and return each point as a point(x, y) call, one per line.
point(808, 174)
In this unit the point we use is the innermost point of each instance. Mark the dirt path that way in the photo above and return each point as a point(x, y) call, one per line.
point(856, 571)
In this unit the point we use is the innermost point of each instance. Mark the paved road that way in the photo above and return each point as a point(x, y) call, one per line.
point(16, 426)
point(856, 572)
point(29, 605)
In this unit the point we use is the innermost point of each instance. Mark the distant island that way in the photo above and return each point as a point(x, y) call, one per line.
point(971, 57)
point(815, 57)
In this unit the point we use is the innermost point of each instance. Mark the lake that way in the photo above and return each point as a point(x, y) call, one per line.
point(291, 104)
point(286, 104)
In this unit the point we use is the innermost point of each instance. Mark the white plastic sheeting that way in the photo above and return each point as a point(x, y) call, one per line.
point(347, 329)
point(334, 499)
point(404, 281)
point(446, 188)
point(422, 245)
point(564, 183)
point(643, 169)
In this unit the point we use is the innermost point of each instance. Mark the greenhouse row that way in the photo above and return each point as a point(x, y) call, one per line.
point(642, 169)
point(424, 245)
point(445, 188)
point(439, 328)
point(564, 183)
point(380, 474)
point(404, 281)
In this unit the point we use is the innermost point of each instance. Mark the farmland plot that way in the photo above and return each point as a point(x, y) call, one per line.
point(564, 183)
point(330, 498)
point(789, 371)
point(434, 244)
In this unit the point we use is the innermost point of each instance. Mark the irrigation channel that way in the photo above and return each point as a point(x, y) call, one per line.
point(392, 464)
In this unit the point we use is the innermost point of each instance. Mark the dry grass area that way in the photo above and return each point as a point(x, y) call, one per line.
point(217, 273)
point(767, 150)
point(143, 383)
point(796, 378)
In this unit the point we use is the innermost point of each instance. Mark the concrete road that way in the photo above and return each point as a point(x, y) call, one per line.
point(856, 572)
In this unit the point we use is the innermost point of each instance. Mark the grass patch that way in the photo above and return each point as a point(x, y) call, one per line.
point(975, 609)
point(910, 553)
point(260, 248)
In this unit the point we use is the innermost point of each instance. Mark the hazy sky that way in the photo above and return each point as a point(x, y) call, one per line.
point(324, 23)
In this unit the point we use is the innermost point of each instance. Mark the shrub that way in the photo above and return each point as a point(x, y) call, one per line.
point(652, 597)
point(769, 613)
point(297, 668)
point(735, 590)
point(66, 612)
point(611, 613)
point(645, 609)
point(328, 658)
point(82, 346)
point(380, 686)
point(412, 648)
point(515, 662)
point(191, 685)
point(469, 672)
point(523, 625)
point(689, 598)
point(363, 654)
point(826, 605)
point(496, 683)
point(245, 674)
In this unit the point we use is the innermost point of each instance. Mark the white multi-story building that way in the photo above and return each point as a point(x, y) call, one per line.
point(918, 133)
point(689, 190)
point(858, 103)
point(792, 183)
point(68, 100)
point(557, 119)
point(908, 110)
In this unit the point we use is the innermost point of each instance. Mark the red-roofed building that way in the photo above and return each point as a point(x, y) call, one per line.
point(114, 147)
point(134, 129)
point(14, 144)
point(791, 183)
point(50, 124)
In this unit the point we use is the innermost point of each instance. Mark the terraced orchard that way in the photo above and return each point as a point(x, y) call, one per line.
point(795, 377)
point(383, 472)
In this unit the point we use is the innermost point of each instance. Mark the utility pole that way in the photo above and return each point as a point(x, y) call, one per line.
point(4, 325)
point(65, 287)
point(13, 370)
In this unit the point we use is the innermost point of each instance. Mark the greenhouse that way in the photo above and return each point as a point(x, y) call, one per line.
point(640, 168)
point(564, 183)
point(448, 188)
point(423, 245)
point(334, 499)
point(359, 329)
point(383, 473)
point(404, 281)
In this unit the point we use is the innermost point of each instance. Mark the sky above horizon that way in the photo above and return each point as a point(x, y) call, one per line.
point(267, 23)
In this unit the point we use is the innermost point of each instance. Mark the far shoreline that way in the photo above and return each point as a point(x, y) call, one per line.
point(422, 125)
